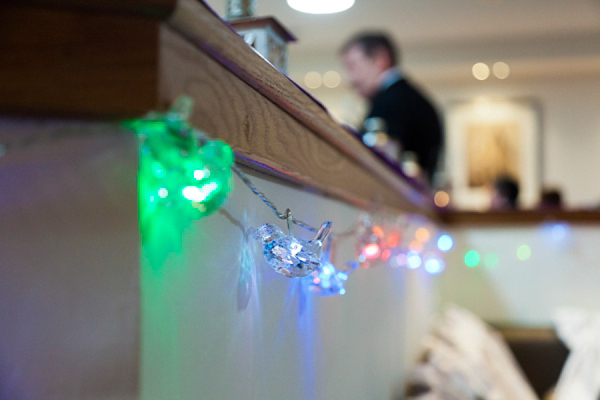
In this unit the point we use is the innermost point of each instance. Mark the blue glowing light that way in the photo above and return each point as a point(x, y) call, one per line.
point(413, 260)
point(445, 242)
point(559, 232)
point(326, 281)
point(434, 266)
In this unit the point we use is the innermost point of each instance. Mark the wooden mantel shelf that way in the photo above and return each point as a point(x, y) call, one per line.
point(521, 217)
point(119, 59)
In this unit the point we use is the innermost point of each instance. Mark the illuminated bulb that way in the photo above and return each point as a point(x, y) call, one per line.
point(413, 260)
point(320, 6)
point(445, 242)
point(434, 265)
point(313, 80)
point(371, 251)
point(288, 255)
point(441, 198)
point(481, 71)
point(199, 194)
point(393, 239)
point(332, 79)
point(370, 139)
point(385, 255)
point(472, 259)
point(501, 70)
point(200, 174)
point(378, 231)
point(422, 235)
point(163, 192)
point(327, 281)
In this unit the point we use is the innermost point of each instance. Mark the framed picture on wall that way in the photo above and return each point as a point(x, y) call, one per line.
point(487, 139)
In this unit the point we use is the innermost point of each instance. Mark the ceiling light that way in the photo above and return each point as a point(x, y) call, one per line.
point(313, 80)
point(332, 79)
point(320, 6)
point(481, 71)
point(501, 70)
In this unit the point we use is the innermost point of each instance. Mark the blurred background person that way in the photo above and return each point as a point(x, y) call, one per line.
point(370, 61)
point(550, 199)
point(505, 194)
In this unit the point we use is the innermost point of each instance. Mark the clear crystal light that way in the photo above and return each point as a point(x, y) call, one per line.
point(290, 256)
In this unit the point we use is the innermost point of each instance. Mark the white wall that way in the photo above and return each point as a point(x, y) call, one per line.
point(562, 271)
point(69, 259)
point(217, 326)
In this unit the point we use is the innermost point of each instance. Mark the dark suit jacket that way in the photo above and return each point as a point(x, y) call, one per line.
point(410, 118)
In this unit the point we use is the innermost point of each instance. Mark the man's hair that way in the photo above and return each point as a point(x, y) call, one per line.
point(372, 42)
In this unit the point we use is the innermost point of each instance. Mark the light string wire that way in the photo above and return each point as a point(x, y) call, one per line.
point(269, 203)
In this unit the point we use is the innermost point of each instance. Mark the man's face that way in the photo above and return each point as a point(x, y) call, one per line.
point(362, 72)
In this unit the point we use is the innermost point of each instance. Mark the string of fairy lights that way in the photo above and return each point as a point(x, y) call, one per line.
point(181, 167)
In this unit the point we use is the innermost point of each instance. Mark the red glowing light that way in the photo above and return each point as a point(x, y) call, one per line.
point(371, 251)
point(378, 231)
point(393, 239)
point(385, 255)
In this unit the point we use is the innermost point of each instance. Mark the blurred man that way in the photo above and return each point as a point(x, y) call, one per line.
point(370, 63)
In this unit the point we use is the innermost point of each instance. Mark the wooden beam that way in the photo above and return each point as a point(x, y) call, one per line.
point(154, 8)
point(520, 217)
point(63, 62)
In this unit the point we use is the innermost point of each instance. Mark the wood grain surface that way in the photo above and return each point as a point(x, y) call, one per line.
point(77, 63)
point(154, 8)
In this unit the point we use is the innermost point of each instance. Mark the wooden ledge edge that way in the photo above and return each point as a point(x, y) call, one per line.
point(519, 217)
point(159, 9)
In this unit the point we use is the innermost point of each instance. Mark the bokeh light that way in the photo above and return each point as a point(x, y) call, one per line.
point(481, 71)
point(434, 265)
point(441, 198)
point(501, 70)
point(490, 260)
point(332, 79)
point(422, 235)
point(472, 259)
point(371, 251)
point(413, 260)
point(399, 260)
point(313, 80)
point(523, 252)
point(445, 242)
